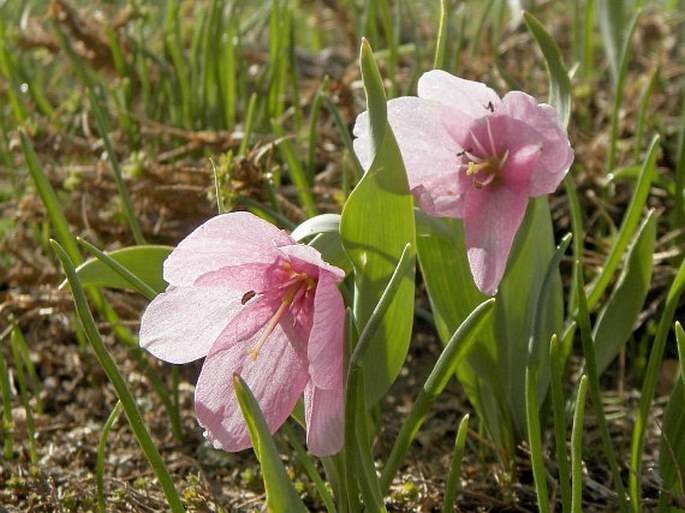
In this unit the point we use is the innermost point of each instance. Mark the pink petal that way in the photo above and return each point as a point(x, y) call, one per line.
point(181, 324)
point(428, 149)
point(244, 277)
point(225, 240)
point(503, 135)
point(277, 378)
point(325, 348)
point(465, 96)
point(324, 414)
point(557, 155)
point(307, 259)
point(492, 216)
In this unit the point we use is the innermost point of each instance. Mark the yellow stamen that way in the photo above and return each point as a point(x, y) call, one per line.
point(490, 169)
point(270, 327)
point(474, 168)
point(297, 282)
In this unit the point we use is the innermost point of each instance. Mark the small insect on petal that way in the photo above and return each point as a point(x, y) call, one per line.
point(247, 296)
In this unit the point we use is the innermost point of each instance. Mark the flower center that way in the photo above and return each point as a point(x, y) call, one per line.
point(483, 172)
point(297, 284)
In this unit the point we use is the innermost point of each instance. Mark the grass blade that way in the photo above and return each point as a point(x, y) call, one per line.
point(297, 172)
point(595, 393)
point(611, 23)
point(309, 467)
point(618, 91)
point(615, 322)
point(535, 439)
point(281, 496)
point(559, 421)
point(649, 384)
point(628, 225)
point(455, 466)
point(100, 463)
point(15, 343)
point(441, 44)
point(128, 402)
point(454, 352)
point(121, 270)
point(559, 82)
point(7, 422)
point(672, 446)
point(577, 447)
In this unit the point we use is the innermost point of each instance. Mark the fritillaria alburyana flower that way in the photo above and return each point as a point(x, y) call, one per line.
point(474, 156)
point(246, 296)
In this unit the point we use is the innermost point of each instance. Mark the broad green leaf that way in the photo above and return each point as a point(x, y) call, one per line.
point(332, 251)
point(143, 261)
point(453, 296)
point(614, 324)
point(559, 82)
point(493, 374)
point(376, 224)
point(323, 223)
point(446, 273)
point(518, 333)
point(281, 496)
point(672, 446)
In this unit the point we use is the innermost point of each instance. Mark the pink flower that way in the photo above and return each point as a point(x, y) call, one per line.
point(476, 157)
point(254, 302)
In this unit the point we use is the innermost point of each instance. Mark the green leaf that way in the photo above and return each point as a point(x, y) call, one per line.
point(577, 447)
point(628, 225)
point(672, 446)
point(524, 326)
point(614, 325)
point(651, 377)
point(455, 466)
point(281, 496)
point(50, 200)
point(453, 296)
point(454, 353)
point(116, 379)
point(143, 261)
point(323, 223)
point(446, 272)
point(559, 82)
point(611, 18)
point(583, 319)
point(376, 224)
